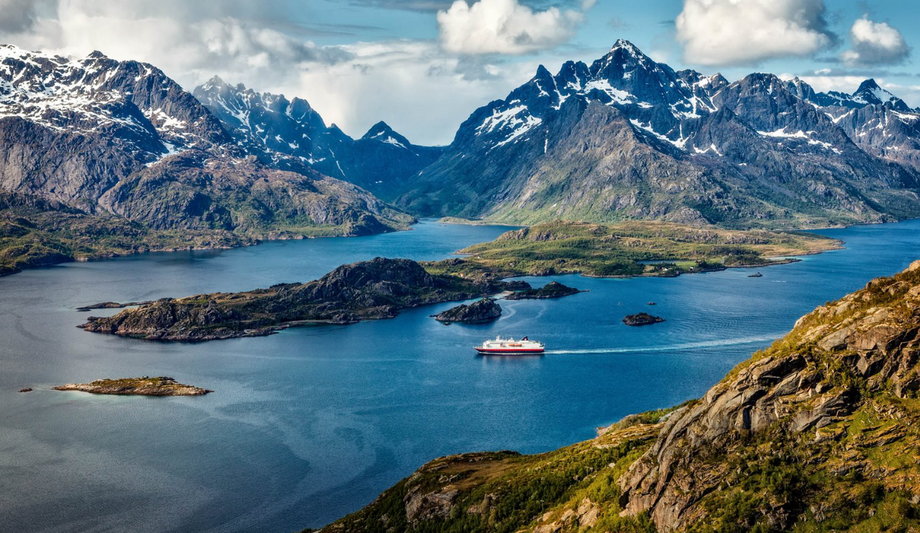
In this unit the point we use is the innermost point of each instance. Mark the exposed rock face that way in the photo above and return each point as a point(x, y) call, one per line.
point(838, 358)
point(479, 312)
point(374, 289)
point(641, 319)
point(818, 432)
point(628, 137)
point(145, 386)
point(553, 289)
point(120, 137)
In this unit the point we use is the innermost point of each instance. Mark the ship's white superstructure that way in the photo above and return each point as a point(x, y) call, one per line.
point(500, 346)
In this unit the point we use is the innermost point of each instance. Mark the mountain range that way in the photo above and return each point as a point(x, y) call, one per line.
point(628, 137)
point(291, 134)
point(623, 137)
point(122, 138)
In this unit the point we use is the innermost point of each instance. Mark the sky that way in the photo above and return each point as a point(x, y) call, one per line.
point(424, 65)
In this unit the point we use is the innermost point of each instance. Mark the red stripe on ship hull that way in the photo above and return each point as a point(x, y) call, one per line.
point(500, 350)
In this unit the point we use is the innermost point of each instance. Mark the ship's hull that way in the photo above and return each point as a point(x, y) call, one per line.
point(509, 351)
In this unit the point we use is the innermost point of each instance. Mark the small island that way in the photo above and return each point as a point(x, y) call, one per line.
point(553, 289)
point(479, 312)
point(143, 386)
point(641, 319)
point(109, 305)
point(627, 249)
point(368, 290)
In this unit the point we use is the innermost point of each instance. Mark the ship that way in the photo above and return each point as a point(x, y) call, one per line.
point(500, 346)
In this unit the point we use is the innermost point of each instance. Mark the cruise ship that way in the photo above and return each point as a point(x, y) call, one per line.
point(500, 346)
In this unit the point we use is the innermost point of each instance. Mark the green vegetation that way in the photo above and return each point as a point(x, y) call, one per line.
point(503, 491)
point(36, 233)
point(627, 249)
point(42, 235)
point(142, 386)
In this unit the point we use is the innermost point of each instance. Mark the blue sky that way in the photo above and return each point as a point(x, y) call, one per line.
point(424, 65)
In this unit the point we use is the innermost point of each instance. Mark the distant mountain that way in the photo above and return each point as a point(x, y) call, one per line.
point(627, 137)
point(121, 137)
point(291, 134)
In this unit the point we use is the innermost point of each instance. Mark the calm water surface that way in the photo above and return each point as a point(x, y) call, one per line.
point(312, 423)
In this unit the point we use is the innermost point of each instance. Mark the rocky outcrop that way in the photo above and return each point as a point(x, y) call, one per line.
point(553, 289)
point(479, 312)
point(145, 386)
point(374, 289)
point(839, 358)
point(641, 319)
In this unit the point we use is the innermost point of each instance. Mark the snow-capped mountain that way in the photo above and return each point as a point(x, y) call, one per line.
point(290, 134)
point(627, 136)
point(122, 137)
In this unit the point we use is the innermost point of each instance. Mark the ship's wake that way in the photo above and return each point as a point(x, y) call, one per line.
point(718, 343)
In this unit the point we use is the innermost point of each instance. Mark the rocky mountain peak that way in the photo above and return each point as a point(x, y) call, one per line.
point(870, 92)
point(382, 132)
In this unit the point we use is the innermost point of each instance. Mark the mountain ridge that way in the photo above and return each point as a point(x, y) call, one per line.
point(291, 134)
point(121, 138)
point(757, 151)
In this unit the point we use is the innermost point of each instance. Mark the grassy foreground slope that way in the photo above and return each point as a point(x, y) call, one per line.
point(634, 248)
point(819, 432)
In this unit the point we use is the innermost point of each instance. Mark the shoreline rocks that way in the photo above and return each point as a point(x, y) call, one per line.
point(109, 305)
point(479, 312)
point(143, 386)
point(641, 319)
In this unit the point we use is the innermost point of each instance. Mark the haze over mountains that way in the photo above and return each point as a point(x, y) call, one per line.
point(624, 137)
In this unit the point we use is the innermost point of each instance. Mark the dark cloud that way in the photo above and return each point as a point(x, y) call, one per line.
point(17, 15)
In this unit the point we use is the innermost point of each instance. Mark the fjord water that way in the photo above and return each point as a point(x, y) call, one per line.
point(310, 424)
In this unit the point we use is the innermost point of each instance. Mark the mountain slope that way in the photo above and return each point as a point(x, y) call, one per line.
point(291, 134)
point(627, 137)
point(819, 432)
point(120, 137)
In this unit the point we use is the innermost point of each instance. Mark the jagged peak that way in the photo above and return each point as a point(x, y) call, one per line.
point(215, 80)
point(626, 45)
point(868, 85)
point(542, 72)
point(96, 54)
point(382, 132)
point(380, 128)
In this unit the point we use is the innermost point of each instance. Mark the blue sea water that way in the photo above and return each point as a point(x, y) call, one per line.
point(311, 424)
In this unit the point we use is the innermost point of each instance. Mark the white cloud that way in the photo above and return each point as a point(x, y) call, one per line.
point(824, 83)
point(875, 43)
point(505, 27)
point(736, 32)
point(188, 40)
point(415, 86)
